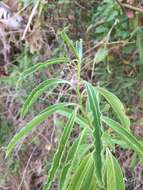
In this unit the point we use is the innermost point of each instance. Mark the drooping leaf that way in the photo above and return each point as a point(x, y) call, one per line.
point(60, 150)
point(32, 124)
point(133, 143)
point(38, 66)
point(36, 92)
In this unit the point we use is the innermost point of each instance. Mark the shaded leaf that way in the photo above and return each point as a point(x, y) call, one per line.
point(74, 158)
point(82, 178)
point(96, 124)
point(38, 66)
point(125, 135)
point(60, 150)
point(117, 106)
point(36, 92)
point(69, 43)
point(100, 55)
point(114, 176)
point(32, 124)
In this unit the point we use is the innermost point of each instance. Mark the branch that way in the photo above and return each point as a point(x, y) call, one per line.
point(132, 7)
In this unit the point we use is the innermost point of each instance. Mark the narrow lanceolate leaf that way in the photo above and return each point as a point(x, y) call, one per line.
point(96, 123)
point(125, 135)
point(32, 124)
point(38, 66)
point(117, 107)
point(69, 43)
point(66, 167)
point(67, 163)
point(36, 92)
point(74, 158)
point(93, 185)
point(114, 176)
point(82, 177)
point(79, 119)
point(60, 150)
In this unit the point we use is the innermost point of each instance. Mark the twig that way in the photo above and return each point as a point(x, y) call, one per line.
point(102, 42)
point(25, 170)
point(4, 188)
point(120, 4)
point(30, 19)
point(21, 10)
point(132, 7)
point(78, 4)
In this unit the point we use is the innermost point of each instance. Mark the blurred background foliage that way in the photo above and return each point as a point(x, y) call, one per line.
point(112, 32)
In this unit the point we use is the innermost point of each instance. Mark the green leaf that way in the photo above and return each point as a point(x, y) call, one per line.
point(117, 106)
point(69, 43)
point(66, 172)
point(114, 176)
point(36, 92)
point(8, 79)
point(38, 66)
point(82, 178)
point(93, 185)
point(32, 124)
point(101, 54)
point(68, 162)
point(60, 150)
point(79, 48)
point(96, 123)
point(79, 119)
point(63, 174)
point(139, 42)
point(74, 158)
point(125, 135)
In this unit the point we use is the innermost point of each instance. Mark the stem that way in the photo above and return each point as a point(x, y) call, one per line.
point(78, 85)
point(132, 7)
point(30, 18)
point(78, 88)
